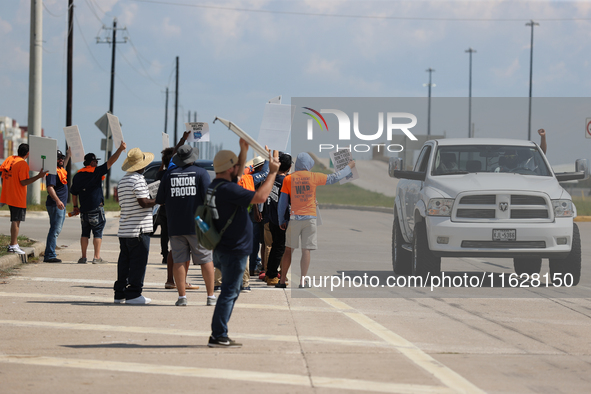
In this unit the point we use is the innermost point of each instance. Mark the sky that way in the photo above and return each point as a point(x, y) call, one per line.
point(236, 55)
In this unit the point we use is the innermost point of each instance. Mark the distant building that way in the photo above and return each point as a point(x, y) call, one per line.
point(11, 136)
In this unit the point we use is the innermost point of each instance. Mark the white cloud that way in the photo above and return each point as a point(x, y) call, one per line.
point(128, 14)
point(507, 71)
point(170, 30)
point(5, 27)
point(322, 67)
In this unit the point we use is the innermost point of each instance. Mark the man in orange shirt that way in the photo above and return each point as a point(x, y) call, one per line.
point(299, 191)
point(14, 193)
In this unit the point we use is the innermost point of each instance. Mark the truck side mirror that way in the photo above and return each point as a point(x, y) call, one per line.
point(582, 165)
point(395, 163)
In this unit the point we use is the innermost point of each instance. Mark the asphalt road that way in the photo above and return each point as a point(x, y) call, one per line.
point(60, 331)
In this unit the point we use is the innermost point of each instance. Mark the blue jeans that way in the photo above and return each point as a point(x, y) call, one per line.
point(131, 266)
point(232, 267)
point(56, 221)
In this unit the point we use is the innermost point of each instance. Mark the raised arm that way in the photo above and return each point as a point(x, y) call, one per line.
point(116, 155)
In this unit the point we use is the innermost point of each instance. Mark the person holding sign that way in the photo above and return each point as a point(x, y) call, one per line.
point(87, 186)
point(57, 198)
point(299, 190)
point(14, 193)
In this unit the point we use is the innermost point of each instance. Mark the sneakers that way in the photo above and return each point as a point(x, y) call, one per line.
point(211, 301)
point(141, 300)
point(222, 342)
point(53, 260)
point(181, 302)
point(245, 289)
point(272, 281)
point(281, 285)
point(99, 261)
point(15, 249)
point(119, 301)
point(262, 275)
point(217, 288)
point(82, 260)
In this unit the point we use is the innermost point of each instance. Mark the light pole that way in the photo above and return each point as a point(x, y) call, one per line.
point(531, 60)
point(430, 71)
point(470, 51)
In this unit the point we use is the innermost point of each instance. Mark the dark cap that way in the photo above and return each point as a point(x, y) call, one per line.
point(89, 157)
point(60, 155)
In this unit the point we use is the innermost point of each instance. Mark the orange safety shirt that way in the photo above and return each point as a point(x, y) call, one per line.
point(247, 182)
point(13, 193)
point(301, 187)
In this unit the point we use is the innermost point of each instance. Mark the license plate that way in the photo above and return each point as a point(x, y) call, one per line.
point(504, 235)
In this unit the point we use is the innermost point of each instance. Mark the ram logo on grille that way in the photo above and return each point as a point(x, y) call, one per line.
point(503, 206)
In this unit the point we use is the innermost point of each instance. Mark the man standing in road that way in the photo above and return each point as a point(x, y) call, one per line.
point(14, 194)
point(87, 186)
point(299, 190)
point(135, 227)
point(57, 198)
point(182, 190)
point(235, 246)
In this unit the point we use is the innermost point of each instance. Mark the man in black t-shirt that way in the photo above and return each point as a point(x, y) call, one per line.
point(231, 253)
point(87, 186)
point(57, 198)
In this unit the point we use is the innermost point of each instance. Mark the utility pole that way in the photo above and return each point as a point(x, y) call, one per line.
point(112, 94)
point(35, 84)
point(470, 51)
point(176, 103)
point(166, 113)
point(531, 61)
point(70, 57)
point(430, 71)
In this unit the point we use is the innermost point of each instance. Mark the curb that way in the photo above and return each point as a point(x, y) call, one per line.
point(582, 219)
point(357, 208)
point(13, 260)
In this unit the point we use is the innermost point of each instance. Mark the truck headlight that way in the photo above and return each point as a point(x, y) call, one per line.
point(440, 206)
point(563, 208)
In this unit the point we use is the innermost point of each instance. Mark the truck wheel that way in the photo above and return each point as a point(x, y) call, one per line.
point(423, 260)
point(527, 266)
point(401, 259)
point(571, 264)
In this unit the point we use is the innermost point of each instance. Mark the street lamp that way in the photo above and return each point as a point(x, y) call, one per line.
point(531, 60)
point(430, 71)
point(470, 51)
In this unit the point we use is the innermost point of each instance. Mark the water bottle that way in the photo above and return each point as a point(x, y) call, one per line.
point(202, 225)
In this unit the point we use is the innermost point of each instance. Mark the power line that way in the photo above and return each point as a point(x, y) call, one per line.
point(91, 7)
point(52, 14)
point(360, 16)
point(86, 43)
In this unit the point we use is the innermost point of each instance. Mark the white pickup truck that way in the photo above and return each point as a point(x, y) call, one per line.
point(484, 198)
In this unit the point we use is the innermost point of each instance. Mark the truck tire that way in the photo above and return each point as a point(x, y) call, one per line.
point(401, 258)
point(572, 263)
point(527, 266)
point(424, 263)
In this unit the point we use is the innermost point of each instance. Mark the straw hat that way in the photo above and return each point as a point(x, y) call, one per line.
point(136, 160)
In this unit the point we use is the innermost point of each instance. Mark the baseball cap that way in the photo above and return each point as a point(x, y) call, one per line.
point(60, 155)
point(224, 160)
point(89, 157)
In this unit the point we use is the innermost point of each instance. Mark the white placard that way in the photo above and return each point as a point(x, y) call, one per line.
point(116, 132)
point(340, 159)
point(240, 133)
point(276, 126)
point(43, 154)
point(74, 143)
point(165, 141)
point(153, 189)
point(199, 131)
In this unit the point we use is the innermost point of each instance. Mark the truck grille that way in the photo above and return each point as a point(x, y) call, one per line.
point(504, 207)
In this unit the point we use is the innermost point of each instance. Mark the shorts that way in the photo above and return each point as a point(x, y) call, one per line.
point(17, 214)
point(306, 229)
point(93, 220)
point(183, 246)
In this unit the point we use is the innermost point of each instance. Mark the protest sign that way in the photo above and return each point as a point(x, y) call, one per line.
point(74, 143)
point(276, 126)
point(340, 159)
point(242, 134)
point(165, 141)
point(43, 154)
point(153, 189)
point(199, 131)
point(116, 132)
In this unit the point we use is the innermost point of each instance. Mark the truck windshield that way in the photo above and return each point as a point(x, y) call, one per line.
point(461, 159)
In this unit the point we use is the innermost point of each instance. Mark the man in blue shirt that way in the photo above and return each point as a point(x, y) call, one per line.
point(57, 198)
point(87, 186)
point(235, 246)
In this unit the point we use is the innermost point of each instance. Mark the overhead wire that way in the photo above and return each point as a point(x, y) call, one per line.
point(54, 15)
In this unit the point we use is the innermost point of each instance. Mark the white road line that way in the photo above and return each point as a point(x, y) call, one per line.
point(226, 374)
point(447, 376)
point(189, 333)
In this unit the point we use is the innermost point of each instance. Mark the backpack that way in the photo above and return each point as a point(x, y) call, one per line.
point(211, 238)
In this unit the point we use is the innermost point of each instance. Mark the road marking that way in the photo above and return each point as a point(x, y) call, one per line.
point(446, 375)
point(227, 374)
point(189, 333)
point(156, 302)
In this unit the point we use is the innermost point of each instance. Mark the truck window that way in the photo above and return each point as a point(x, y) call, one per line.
point(421, 164)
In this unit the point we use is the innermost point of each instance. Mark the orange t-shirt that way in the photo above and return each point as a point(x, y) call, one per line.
point(7, 165)
point(301, 187)
point(247, 182)
point(13, 193)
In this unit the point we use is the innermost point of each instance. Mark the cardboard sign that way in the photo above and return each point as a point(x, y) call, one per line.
point(199, 131)
point(116, 131)
point(242, 134)
point(43, 154)
point(74, 143)
point(165, 141)
point(340, 159)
